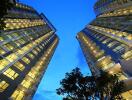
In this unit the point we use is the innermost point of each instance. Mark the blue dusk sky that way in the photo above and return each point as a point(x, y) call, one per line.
point(69, 17)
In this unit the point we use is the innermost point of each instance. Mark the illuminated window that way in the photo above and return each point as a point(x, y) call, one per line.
point(19, 65)
point(26, 84)
point(15, 35)
point(38, 49)
point(12, 57)
point(41, 47)
point(127, 55)
point(18, 95)
point(106, 40)
point(3, 85)
point(118, 48)
point(3, 63)
point(9, 46)
point(10, 73)
point(21, 23)
point(32, 74)
point(112, 44)
point(31, 55)
point(30, 37)
point(129, 37)
point(26, 60)
point(2, 51)
point(17, 43)
point(105, 62)
point(21, 41)
point(35, 52)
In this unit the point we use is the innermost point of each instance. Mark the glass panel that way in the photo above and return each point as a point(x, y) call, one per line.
point(3, 85)
point(11, 73)
point(19, 65)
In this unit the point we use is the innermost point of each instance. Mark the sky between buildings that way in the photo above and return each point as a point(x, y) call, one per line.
point(68, 17)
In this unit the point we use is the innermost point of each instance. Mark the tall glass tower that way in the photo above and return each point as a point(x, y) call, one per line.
point(107, 41)
point(27, 44)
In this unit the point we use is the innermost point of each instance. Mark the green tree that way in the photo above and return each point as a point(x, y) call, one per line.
point(76, 86)
point(108, 86)
point(5, 5)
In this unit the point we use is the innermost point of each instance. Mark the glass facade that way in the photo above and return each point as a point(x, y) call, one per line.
point(107, 41)
point(27, 44)
point(112, 6)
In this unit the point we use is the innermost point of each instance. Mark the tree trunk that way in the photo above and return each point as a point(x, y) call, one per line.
point(86, 97)
point(101, 96)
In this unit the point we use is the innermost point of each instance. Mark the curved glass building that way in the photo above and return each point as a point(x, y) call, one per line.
point(27, 44)
point(107, 41)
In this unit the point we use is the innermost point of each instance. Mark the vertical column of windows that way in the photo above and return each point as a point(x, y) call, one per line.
point(12, 74)
point(34, 75)
point(102, 61)
point(21, 52)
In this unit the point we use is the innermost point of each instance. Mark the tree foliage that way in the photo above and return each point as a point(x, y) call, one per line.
point(76, 86)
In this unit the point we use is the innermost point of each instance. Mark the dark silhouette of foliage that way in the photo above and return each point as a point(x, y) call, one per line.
point(5, 5)
point(108, 86)
point(76, 86)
